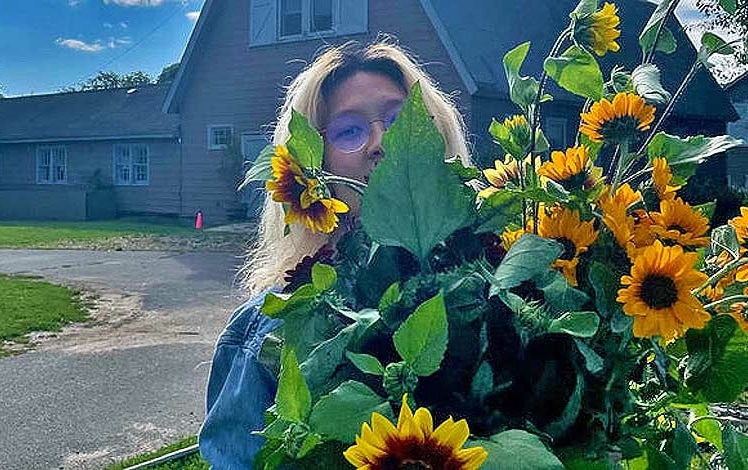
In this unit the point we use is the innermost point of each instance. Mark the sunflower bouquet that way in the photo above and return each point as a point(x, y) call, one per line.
point(543, 313)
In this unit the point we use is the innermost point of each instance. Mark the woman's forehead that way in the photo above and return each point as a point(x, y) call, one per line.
point(365, 92)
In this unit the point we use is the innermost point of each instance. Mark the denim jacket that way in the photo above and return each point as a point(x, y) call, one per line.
point(240, 389)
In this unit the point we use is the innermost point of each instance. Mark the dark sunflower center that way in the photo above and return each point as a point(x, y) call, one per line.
point(414, 465)
point(570, 249)
point(574, 181)
point(620, 129)
point(658, 291)
point(678, 228)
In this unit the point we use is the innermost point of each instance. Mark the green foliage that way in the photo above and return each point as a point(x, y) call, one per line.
point(518, 450)
point(293, 400)
point(684, 154)
point(736, 448)
point(414, 180)
point(305, 142)
point(528, 257)
point(522, 90)
point(260, 169)
point(581, 324)
point(422, 338)
point(646, 82)
point(577, 71)
point(666, 42)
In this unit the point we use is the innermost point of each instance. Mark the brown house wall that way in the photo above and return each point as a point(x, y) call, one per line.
point(231, 83)
point(84, 159)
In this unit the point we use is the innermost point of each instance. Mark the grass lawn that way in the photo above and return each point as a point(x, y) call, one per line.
point(191, 462)
point(50, 234)
point(30, 305)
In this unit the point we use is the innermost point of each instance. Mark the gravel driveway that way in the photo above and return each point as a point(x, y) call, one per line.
point(130, 380)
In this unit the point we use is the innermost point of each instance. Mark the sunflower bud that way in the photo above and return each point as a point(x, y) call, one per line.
point(399, 379)
point(513, 135)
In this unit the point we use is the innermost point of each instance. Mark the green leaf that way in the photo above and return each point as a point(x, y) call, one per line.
point(713, 44)
point(592, 360)
point(579, 324)
point(305, 143)
point(717, 365)
point(482, 383)
point(325, 359)
point(684, 446)
point(666, 42)
point(560, 297)
point(706, 426)
point(292, 399)
point(530, 256)
point(260, 169)
point(390, 296)
point(422, 338)
point(323, 277)
point(646, 78)
point(606, 285)
point(498, 211)
point(730, 6)
point(724, 238)
point(736, 448)
point(414, 182)
point(366, 363)
point(283, 305)
point(339, 414)
point(683, 154)
point(465, 173)
point(522, 90)
point(517, 450)
point(584, 8)
point(558, 427)
point(577, 71)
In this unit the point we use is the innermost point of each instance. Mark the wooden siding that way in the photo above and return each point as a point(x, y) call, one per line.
point(229, 82)
point(90, 164)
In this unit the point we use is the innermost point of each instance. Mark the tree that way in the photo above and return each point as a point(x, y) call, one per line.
point(734, 24)
point(107, 80)
point(168, 74)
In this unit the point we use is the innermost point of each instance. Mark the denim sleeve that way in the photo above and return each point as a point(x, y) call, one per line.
point(240, 389)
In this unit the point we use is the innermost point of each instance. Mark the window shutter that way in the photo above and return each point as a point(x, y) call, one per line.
point(262, 22)
point(353, 17)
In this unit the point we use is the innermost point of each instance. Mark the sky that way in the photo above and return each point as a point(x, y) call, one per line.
point(46, 45)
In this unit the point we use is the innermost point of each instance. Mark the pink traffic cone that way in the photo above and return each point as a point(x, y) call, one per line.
point(199, 220)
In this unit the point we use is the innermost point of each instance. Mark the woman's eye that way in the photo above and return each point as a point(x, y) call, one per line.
point(349, 132)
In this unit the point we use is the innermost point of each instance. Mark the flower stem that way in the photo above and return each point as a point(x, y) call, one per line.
point(727, 300)
point(670, 10)
point(720, 274)
point(356, 185)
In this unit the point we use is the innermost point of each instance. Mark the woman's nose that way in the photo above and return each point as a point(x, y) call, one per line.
point(374, 145)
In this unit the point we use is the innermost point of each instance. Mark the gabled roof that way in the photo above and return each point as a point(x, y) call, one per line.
point(483, 31)
point(477, 34)
point(89, 115)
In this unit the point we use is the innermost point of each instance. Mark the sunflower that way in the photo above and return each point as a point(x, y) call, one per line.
point(661, 177)
point(658, 293)
point(617, 121)
point(565, 226)
point(598, 30)
point(681, 224)
point(615, 214)
point(510, 236)
point(499, 176)
point(414, 443)
point(572, 169)
point(739, 311)
point(304, 199)
point(740, 224)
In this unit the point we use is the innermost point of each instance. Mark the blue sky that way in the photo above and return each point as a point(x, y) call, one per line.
point(46, 45)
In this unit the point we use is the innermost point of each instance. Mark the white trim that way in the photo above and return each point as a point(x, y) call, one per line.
point(132, 181)
point(446, 40)
point(50, 140)
point(52, 179)
point(211, 127)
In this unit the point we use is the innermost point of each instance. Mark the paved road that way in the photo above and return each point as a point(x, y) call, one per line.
point(131, 380)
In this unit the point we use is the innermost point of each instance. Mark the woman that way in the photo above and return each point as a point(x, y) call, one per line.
point(351, 93)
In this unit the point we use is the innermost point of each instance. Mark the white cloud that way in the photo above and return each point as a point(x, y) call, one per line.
point(95, 46)
point(74, 3)
point(192, 15)
point(108, 25)
point(123, 25)
point(80, 45)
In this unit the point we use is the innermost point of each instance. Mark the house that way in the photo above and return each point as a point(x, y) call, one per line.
point(737, 162)
point(88, 155)
point(243, 52)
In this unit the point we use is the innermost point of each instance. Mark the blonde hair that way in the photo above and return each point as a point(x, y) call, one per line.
point(274, 253)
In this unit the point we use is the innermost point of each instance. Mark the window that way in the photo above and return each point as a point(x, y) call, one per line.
point(555, 132)
point(131, 165)
point(219, 137)
point(299, 17)
point(51, 165)
point(273, 21)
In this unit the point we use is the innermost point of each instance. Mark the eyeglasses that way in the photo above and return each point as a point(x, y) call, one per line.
point(349, 132)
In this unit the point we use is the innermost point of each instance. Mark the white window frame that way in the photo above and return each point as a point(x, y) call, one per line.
point(131, 165)
point(563, 124)
point(52, 176)
point(306, 21)
point(214, 127)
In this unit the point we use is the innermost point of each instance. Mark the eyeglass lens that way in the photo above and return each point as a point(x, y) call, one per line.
point(349, 132)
